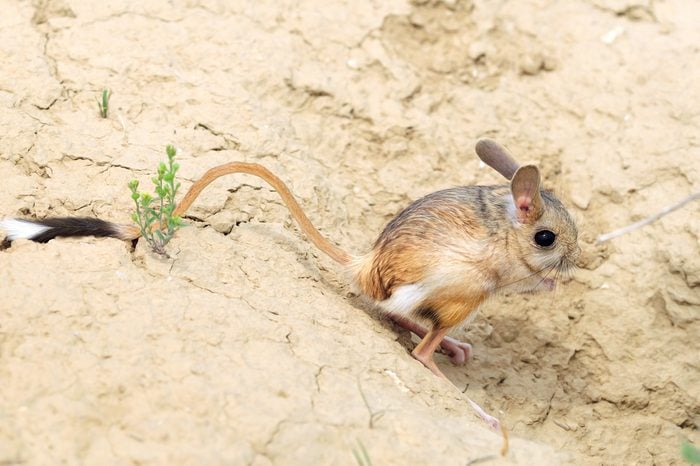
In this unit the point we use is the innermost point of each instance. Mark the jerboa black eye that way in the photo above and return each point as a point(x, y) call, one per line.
point(545, 238)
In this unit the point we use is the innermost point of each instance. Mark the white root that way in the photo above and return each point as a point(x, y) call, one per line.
point(648, 220)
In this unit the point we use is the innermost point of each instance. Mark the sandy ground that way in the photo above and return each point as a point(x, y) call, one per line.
point(245, 347)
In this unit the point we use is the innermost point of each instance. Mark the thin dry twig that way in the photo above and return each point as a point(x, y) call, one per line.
point(648, 220)
point(493, 423)
point(481, 459)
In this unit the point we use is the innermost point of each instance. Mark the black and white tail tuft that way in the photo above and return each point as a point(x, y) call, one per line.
point(44, 230)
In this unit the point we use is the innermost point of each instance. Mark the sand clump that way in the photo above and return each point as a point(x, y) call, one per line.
point(244, 347)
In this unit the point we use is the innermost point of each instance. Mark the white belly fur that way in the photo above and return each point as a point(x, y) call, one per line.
point(405, 299)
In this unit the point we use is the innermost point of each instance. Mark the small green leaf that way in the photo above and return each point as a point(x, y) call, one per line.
point(104, 104)
point(361, 456)
point(690, 453)
point(157, 209)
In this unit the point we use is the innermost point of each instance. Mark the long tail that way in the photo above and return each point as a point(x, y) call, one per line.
point(44, 230)
point(47, 229)
point(255, 169)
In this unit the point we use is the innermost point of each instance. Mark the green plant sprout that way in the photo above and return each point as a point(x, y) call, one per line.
point(104, 104)
point(361, 455)
point(154, 214)
point(690, 453)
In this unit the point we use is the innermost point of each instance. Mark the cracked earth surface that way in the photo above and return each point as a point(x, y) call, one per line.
point(245, 346)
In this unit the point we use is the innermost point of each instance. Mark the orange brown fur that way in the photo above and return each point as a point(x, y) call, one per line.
point(414, 242)
point(452, 309)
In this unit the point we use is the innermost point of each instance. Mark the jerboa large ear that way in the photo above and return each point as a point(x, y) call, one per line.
point(525, 187)
point(497, 157)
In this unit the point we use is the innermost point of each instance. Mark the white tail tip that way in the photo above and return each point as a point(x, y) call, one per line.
point(21, 229)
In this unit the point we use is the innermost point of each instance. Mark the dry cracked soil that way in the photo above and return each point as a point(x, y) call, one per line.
point(245, 345)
